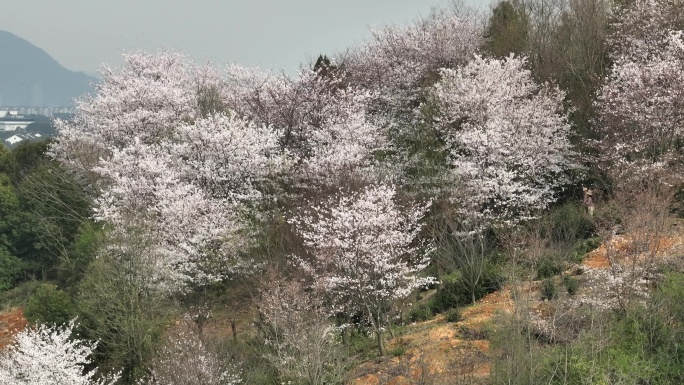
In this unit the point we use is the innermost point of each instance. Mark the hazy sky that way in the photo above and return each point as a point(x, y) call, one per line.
point(83, 34)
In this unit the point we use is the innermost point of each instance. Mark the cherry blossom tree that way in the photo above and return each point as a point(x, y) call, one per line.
point(364, 253)
point(508, 139)
point(321, 122)
point(185, 360)
point(399, 64)
point(641, 28)
point(145, 99)
point(640, 104)
point(170, 162)
point(50, 356)
point(399, 61)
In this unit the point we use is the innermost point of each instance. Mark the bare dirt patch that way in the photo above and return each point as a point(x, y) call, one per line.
point(668, 245)
point(11, 323)
point(434, 352)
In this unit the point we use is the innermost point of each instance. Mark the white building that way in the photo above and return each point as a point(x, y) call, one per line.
point(10, 120)
point(13, 139)
point(5, 113)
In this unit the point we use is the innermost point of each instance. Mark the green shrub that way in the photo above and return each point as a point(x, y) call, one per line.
point(49, 305)
point(548, 289)
point(448, 296)
point(252, 355)
point(89, 238)
point(453, 315)
point(453, 293)
point(548, 267)
point(420, 313)
point(569, 222)
point(571, 284)
point(10, 269)
point(678, 202)
point(584, 247)
point(670, 295)
point(19, 295)
point(398, 351)
point(492, 279)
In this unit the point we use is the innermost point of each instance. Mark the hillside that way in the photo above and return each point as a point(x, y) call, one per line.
point(438, 351)
point(29, 76)
point(441, 204)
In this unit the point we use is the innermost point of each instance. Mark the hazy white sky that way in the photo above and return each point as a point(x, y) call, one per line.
point(83, 34)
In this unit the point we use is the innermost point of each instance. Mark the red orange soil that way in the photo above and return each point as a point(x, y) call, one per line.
point(11, 323)
point(486, 307)
point(436, 352)
point(598, 258)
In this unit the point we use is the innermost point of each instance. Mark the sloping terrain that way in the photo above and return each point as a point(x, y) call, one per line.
point(439, 352)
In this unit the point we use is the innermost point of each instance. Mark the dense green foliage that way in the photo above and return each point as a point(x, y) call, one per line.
point(571, 284)
point(41, 209)
point(50, 305)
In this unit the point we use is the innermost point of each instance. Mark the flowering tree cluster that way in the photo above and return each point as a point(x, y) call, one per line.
point(146, 99)
point(180, 154)
point(399, 61)
point(186, 360)
point(641, 102)
point(641, 28)
point(400, 64)
point(364, 254)
point(50, 356)
point(169, 163)
point(508, 138)
point(321, 122)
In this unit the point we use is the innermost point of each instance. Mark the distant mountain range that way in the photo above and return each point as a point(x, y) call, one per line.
point(31, 77)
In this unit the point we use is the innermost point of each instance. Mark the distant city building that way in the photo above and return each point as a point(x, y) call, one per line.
point(4, 113)
point(45, 111)
point(11, 120)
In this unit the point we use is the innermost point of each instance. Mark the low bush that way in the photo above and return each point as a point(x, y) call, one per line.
point(569, 222)
point(454, 293)
point(448, 296)
point(10, 269)
point(571, 284)
point(400, 348)
point(453, 315)
point(548, 289)
point(49, 305)
point(420, 313)
point(19, 295)
point(548, 267)
point(584, 247)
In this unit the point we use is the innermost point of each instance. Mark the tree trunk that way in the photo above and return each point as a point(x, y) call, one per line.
point(381, 343)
